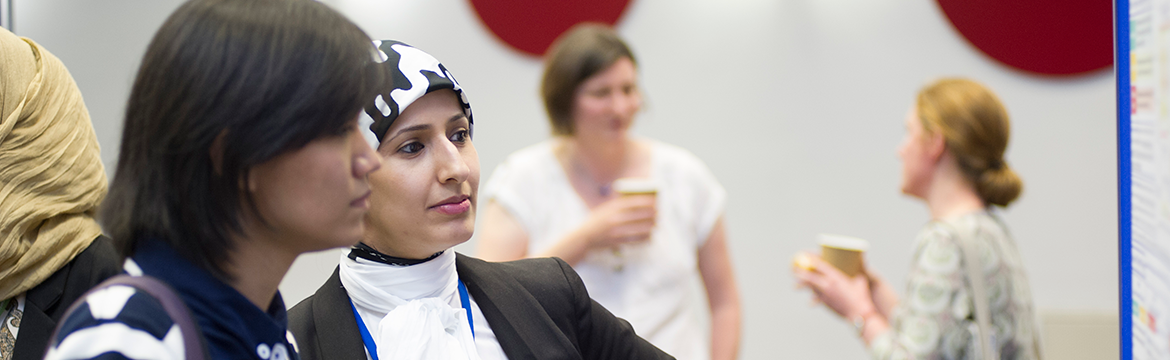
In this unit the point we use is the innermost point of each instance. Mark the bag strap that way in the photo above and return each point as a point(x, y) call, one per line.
point(978, 293)
point(193, 346)
point(1037, 341)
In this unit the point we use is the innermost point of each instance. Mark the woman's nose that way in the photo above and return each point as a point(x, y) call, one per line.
point(365, 159)
point(625, 103)
point(451, 167)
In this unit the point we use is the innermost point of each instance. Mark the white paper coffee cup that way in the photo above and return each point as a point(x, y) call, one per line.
point(846, 253)
point(635, 186)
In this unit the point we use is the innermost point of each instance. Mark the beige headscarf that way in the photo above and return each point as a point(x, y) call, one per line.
point(51, 175)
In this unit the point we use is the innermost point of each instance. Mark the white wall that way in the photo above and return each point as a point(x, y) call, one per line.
point(795, 105)
point(101, 42)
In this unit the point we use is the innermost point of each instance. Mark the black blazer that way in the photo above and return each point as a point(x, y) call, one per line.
point(537, 308)
point(46, 303)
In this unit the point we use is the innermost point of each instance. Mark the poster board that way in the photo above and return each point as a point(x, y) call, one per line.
point(1143, 95)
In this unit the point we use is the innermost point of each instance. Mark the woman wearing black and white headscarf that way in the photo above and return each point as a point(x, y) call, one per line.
point(403, 293)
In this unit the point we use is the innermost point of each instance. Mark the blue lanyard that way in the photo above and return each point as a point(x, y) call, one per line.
point(369, 340)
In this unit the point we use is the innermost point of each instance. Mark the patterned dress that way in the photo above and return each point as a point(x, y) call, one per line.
point(936, 319)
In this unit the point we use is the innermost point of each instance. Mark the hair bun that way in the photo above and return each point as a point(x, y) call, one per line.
point(999, 185)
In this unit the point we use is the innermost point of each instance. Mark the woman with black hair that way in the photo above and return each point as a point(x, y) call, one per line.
point(403, 292)
point(239, 153)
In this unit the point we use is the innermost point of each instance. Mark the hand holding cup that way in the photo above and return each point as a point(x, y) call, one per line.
point(832, 276)
point(629, 218)
point(844, 252)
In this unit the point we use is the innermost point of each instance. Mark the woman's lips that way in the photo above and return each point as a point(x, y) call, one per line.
point(362, 202)
point(454, 206)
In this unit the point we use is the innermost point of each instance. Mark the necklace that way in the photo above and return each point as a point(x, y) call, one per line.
point(604, 188)
point(586, 174)
point(366, 252)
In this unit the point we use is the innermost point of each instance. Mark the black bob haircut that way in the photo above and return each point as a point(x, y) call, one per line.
point(265, 76)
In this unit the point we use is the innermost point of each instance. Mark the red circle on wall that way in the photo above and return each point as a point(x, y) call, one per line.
point(531, 25)
point(1052, 37)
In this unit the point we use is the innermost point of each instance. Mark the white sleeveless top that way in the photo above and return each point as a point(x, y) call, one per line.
point(654, 285)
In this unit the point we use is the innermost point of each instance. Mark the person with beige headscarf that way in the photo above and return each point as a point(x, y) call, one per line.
point(51, 183)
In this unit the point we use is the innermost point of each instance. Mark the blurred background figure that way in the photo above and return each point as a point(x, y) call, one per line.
point(952, 159)
point(240, 151)
point(648, 257)
point(51, 183)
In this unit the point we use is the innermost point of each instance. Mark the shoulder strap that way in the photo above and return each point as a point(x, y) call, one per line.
point(978, 292)
point(1037, 341)
point(193, 346)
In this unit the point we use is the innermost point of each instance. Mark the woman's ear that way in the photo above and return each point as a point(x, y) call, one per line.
point(936, 146)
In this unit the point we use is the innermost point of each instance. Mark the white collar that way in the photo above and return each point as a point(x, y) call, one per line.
point(383, 287)
point(420, 314)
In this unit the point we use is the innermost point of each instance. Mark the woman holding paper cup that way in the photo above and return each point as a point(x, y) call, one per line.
point(952, 159)
point(640, 220)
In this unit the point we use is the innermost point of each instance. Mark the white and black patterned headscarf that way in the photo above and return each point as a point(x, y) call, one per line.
point(410, 73)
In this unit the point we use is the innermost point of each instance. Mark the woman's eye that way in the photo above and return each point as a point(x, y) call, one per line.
point(411, 148)
point(459, 136)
